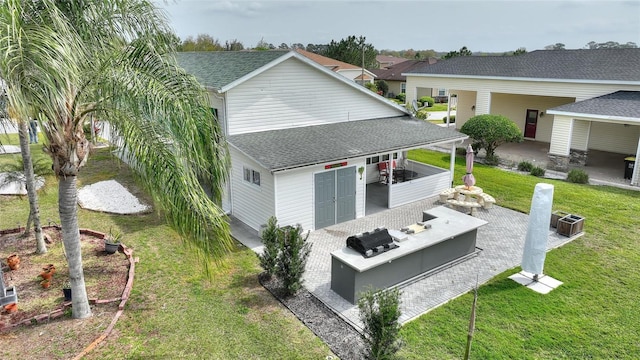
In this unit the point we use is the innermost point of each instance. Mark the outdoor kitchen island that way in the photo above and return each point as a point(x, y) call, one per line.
point(446, 236)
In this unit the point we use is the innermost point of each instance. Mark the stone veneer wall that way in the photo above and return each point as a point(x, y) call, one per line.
point(578, 157)
point(558, 162)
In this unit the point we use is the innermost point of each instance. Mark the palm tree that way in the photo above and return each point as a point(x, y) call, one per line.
point(28, 175)
point(117, 63)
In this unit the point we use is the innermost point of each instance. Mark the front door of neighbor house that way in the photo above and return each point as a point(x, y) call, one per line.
point(335, 196)
point(530, 124)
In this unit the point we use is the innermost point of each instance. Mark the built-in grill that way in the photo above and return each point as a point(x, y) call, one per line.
point(372, 243)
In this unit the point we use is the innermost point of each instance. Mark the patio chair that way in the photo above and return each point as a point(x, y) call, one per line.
point(383, 171)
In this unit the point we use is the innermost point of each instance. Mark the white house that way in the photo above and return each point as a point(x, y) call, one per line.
point(305, 142)
point(575, 100)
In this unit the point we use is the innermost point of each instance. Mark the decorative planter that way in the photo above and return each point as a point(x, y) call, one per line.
point(557, 215)
point(570, 225)
point(46, 275)
point(45, 284)
point(13, 261)
point(11, 308)
point(110, 248)
point(67, 294)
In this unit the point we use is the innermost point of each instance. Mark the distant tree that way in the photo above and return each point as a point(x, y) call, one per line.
point(297, 46)
point(262, 45)
point(462, 52)
point(610, 45)
point(556, 46)
point(233, 45)
point(283, 46)
point(490, 131)
point(203, 42)
point(350, 51)
point(316, 48)
point(519, 51)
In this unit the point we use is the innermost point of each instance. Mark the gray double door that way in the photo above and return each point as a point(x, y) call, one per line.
point(335, 196)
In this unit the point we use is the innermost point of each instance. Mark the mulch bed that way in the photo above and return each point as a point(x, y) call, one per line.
point(44, 311)
point(344, 340)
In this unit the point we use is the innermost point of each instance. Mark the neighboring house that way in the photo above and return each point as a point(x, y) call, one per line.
point(305, 142)
point(575, 100)
point(385, 61)
point(347, 70)
point(394, 77)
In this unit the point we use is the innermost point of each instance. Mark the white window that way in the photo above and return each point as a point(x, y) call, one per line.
point(403, 88)
point(251, 176)
point(442, 92)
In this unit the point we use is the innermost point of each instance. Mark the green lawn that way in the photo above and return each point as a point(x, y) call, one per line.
point(175, 312)
point(593, 315)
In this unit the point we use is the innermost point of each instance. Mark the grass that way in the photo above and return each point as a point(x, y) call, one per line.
point(439, 107)
point(593, 315)
point(175, 312)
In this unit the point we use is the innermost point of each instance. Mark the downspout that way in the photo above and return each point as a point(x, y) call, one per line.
point(448, 109)
point(225, 131)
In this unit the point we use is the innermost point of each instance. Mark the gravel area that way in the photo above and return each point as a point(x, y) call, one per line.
point(111, 197)
point(342, 338)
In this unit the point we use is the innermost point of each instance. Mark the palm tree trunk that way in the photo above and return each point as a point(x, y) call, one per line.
point(30, 180)
point(67, 207)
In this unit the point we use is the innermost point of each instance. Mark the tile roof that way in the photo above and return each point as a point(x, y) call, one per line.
point(216, 69)
point(333, 64)
point(390, 59)
point(620, 104)
point(394, 72)
point(303, 146)
point(589, 65)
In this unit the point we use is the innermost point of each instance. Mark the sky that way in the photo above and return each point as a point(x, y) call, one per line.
point(487, 26)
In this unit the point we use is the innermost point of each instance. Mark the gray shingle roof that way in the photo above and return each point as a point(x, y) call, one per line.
point(394, 72)
point(594, 65)
point(302, 146)
point(217, 69)
point(625, 104)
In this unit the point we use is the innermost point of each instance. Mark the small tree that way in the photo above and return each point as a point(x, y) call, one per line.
point(379, 313)
point(383, 86)
point(490, 131)
point(293, 257)
point(269, 256)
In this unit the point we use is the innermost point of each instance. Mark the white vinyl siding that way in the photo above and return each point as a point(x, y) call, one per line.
point(561, 134)
point(295, 203)
point(292, 94)
point(580, 135)
point(252, 204)
point(612, 137)
point(421, 188)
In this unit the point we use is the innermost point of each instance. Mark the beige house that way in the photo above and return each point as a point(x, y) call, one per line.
point(575, 100)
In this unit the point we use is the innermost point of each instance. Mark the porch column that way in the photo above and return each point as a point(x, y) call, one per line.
point(578, 150)
point(452, 162)
point(634, 177)
point(560, 144)
point(483, 102)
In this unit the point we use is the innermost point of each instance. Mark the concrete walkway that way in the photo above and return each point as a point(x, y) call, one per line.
point(501, 242)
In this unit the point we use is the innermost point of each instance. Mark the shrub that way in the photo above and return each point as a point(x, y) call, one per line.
point(269, 257)
point(578, 176)
point(293, 257)
point(538, 171)
point(379, 313)
point(382, 86)
point(492, 160)
point(422, 114)
point(525, 166)
point(427, 100)
point(461, 151)
point(451, 121)
point(491, 131)
point(371, 86)
point(402, 97)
